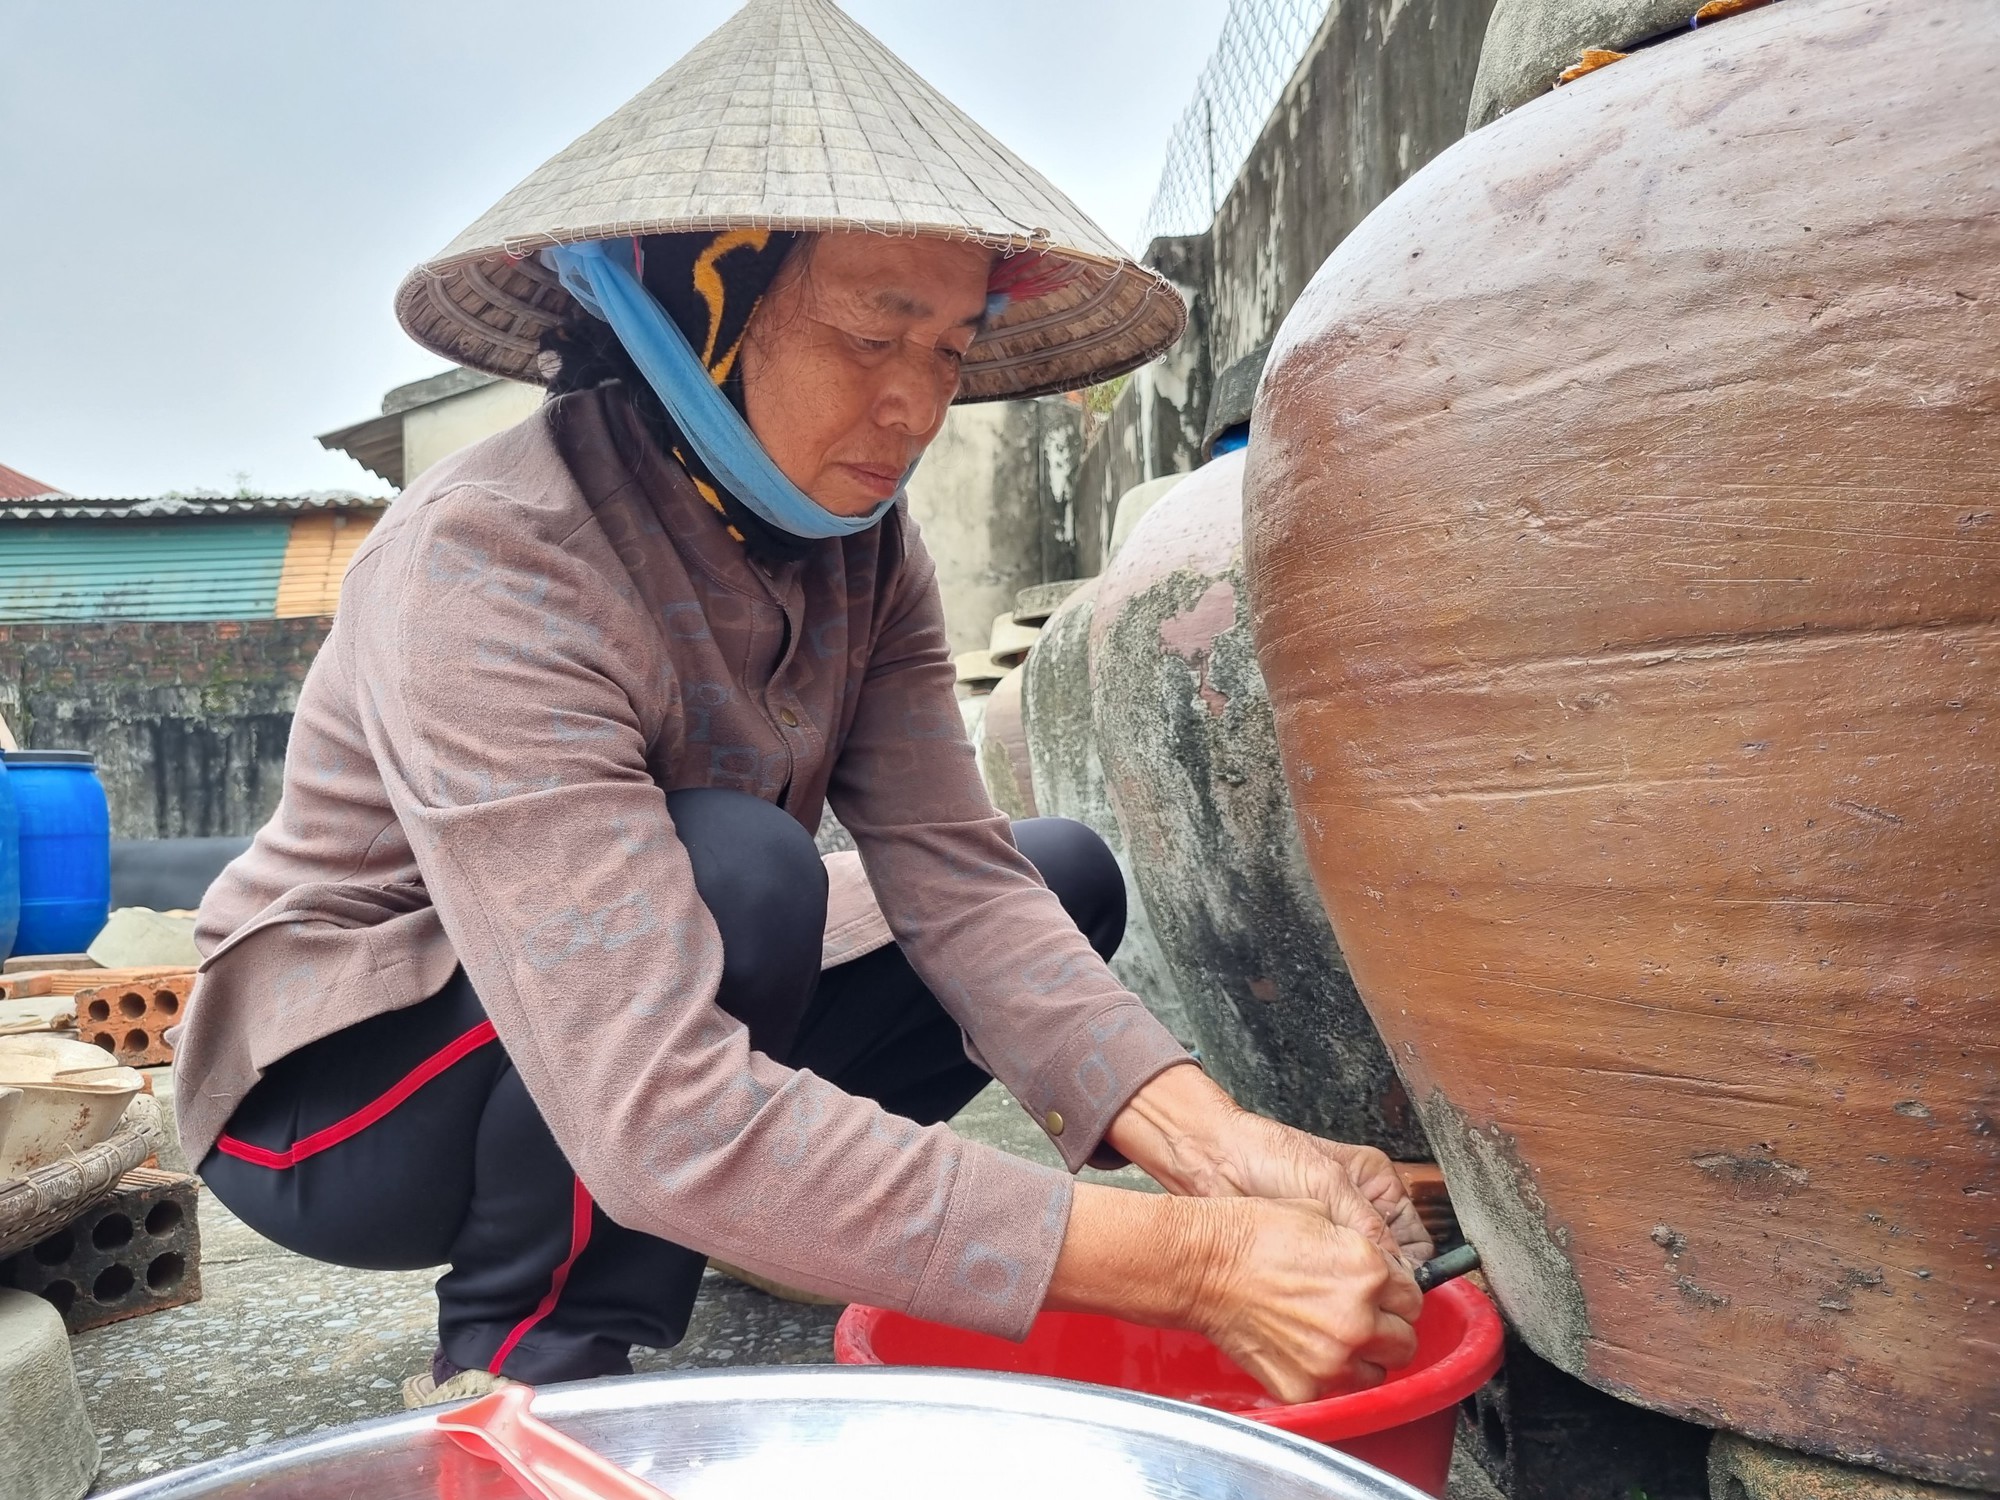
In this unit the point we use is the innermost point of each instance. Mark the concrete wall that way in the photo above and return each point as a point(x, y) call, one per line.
point(440, 428)
point(1382, 89)
point(996, 499)
point(1155, 426)
point(188, 720)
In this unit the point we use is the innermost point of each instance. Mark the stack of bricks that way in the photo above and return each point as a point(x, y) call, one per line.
point(136, 1251)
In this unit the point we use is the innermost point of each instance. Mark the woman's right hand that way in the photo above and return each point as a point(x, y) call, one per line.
point(1306, 1306)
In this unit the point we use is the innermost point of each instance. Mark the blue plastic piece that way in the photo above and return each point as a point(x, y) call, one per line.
point(10, 865)
point(65, 844)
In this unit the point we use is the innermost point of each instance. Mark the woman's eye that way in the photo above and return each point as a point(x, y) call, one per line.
point(875, 346)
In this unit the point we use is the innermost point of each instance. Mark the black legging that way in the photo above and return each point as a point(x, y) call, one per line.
point(409, 1140)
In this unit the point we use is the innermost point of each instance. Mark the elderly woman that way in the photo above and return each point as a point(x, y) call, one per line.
point(537, 973)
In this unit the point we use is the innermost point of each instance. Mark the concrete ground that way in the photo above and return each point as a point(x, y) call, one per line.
point(280, 1346)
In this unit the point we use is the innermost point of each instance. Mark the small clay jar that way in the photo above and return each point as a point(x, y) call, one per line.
point(1625, 549)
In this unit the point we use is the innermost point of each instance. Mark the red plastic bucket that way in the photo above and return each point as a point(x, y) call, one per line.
point(1403, 1427)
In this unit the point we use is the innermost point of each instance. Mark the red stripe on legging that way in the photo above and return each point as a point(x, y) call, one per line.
point(579, 1236)
point(362, 1118)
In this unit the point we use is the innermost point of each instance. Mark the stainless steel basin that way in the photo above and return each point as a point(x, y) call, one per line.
point(827, 1433)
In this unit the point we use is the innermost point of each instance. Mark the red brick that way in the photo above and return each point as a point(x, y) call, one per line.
point(130, 1020)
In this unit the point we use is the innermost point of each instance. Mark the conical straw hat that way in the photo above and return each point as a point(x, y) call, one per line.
point(793, 117)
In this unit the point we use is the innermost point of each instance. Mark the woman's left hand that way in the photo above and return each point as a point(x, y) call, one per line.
point(1262, 1159)
point(1194, 1139)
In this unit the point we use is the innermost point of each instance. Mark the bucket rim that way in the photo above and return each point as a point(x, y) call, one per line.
point(1438, 1386)
point(1463, 1369)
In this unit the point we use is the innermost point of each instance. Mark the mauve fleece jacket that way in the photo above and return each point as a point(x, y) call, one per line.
point(545, 634)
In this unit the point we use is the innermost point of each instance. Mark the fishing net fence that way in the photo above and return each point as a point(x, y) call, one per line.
point(1262, 42)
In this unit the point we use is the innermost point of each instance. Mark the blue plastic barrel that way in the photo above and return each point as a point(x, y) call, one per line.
point(65, 840)
point(10, 865)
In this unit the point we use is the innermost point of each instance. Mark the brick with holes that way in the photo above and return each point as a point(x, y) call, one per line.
point(136, 1251)
point(129, 1018)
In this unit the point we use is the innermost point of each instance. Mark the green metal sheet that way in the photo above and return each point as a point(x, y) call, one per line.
point(188, 570)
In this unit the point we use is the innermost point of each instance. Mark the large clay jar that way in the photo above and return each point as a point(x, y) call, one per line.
point(1069, 783)
point(1184, 728)
point(1625, 547)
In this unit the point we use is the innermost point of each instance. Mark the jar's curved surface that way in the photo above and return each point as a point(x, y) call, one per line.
point(1625, 559)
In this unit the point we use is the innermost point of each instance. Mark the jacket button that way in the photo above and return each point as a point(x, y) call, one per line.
point(787, 718)
point(1055, 1122)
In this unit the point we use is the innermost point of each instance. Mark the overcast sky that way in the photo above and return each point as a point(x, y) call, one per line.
point(205, 205)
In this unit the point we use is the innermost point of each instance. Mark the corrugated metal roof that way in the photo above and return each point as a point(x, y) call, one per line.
point(50, 508)
point(191, 570)
point(15, 485)
point(376, 444)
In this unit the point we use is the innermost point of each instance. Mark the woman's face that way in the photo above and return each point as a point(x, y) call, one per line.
point(852, 359)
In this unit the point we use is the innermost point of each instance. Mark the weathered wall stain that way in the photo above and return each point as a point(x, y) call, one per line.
point(188, 720)
point(995, 498)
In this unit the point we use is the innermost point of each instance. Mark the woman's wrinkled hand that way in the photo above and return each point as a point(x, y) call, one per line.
point(1193, 1139)
point(1358, 1185)
point(1307, 1306)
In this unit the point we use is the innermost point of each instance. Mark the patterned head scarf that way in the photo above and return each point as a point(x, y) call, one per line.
point(711, 285)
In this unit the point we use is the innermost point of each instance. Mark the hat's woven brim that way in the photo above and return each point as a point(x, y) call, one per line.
point(490, 311)
point(792, 117)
